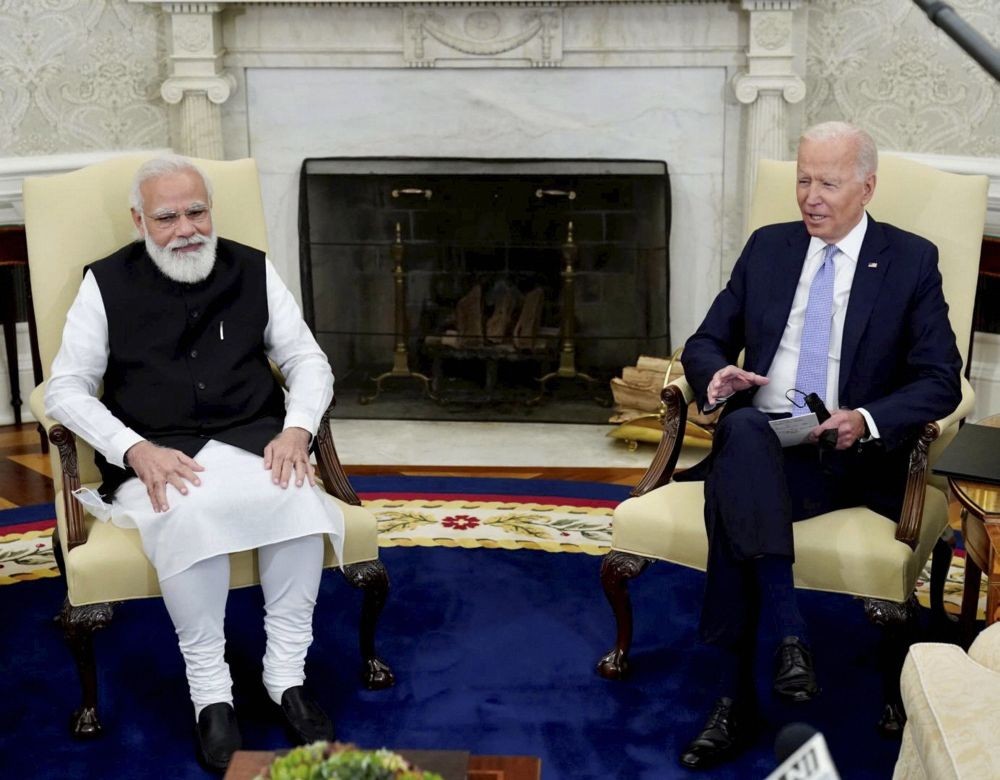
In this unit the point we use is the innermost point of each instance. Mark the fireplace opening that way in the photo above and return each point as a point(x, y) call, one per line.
point(484, 289)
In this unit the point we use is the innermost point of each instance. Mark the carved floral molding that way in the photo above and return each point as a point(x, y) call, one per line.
point(501, 33)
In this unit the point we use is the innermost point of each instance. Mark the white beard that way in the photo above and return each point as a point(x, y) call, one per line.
point(184, 267)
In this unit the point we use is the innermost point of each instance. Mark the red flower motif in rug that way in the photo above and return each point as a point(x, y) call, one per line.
point(460, 522)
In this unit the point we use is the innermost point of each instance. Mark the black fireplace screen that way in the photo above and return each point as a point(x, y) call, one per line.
point(445, 288)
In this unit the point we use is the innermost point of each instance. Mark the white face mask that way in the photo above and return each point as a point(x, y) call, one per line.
point(184, 267)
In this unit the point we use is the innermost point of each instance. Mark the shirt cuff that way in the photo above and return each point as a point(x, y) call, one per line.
point(120, 444)
point(872, 428)
point(304, 421)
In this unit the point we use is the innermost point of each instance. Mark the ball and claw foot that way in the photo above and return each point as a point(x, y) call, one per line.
point(893, 719)
point(377, 675)
point(84, 724)
point(614, 665)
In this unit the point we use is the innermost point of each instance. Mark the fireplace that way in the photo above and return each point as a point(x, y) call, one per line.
point(491, 289)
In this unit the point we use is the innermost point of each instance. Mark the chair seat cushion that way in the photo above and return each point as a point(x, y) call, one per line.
point(851, 551)
point(952, 721)
point(111, 566)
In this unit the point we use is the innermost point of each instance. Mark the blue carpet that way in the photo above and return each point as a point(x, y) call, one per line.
point(26, 514)
point(494, 652)
point(554, 488)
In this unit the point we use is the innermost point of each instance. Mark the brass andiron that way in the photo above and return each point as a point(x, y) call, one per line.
point(567, 330)
point(400, 355)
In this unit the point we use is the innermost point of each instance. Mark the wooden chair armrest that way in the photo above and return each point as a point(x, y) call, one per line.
point(675, 396)
point(330, 471)
point(911, 516)
point(65, 443)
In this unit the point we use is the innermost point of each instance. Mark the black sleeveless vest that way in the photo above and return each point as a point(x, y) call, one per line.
point(187, 361)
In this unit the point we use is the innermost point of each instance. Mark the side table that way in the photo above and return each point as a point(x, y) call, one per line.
point(14, 273)
point(981, 532)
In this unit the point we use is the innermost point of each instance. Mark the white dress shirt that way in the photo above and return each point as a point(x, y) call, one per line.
point(772, 396)
point(237, 506)
point(78, 369)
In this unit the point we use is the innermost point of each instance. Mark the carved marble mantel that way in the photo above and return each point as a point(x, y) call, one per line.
point(709, 86)
point(761, 47)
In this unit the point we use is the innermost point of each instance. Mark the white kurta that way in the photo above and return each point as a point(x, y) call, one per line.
point(237, 506)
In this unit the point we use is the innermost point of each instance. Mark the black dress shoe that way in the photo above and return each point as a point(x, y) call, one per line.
point(723, 735)
point(218, 736)
point(794, 675)
point(305, 718)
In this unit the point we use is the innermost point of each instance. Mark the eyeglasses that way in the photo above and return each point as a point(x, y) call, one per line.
point(164, 220)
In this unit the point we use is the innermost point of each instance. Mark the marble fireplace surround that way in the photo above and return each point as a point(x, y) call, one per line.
point(708, 87)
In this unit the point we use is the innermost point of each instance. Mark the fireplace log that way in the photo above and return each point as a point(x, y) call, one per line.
point(530, 320)
point(498, 325)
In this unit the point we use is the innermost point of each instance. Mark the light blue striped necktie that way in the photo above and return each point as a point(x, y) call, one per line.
point(814, 348)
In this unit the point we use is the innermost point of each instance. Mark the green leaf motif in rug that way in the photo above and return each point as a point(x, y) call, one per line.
point(508, 525)
point(27, 556)
point(392, 521)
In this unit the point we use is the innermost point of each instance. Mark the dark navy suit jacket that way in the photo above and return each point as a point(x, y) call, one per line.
point(898, 358)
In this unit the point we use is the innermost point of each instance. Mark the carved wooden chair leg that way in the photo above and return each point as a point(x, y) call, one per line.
point(617, 568)
point(970, 601)
point(898, 623)
point(943, 627)
point(373, 580)
point(78, 625)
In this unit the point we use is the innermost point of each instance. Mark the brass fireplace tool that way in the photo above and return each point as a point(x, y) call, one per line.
point(400, 356)
point(567, 330)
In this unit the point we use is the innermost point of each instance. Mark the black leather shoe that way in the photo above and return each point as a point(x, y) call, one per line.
point(722, 736)
point(305, 718)
point(794, 675)
point(218, 736)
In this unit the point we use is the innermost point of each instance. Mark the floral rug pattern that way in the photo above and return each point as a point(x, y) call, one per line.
point(496, 524)
point(26, 553)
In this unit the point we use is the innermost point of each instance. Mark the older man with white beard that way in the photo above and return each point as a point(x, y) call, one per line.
point(198, 446)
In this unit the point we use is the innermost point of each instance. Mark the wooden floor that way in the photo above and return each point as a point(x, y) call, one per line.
point(26, 476)
point(25, 473)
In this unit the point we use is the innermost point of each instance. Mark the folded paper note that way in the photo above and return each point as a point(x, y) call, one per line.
point(794, 430)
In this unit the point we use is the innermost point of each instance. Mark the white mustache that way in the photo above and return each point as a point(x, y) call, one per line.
point(179, 243)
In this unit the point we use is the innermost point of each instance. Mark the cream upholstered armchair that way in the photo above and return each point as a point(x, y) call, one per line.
point(74, 219)
point(852, 551)
point(951, 701)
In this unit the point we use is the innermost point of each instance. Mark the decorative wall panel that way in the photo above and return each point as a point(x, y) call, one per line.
point(79, 75)
point(886, 67)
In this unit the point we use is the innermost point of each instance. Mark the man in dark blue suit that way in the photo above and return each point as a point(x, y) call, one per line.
point(838, 305)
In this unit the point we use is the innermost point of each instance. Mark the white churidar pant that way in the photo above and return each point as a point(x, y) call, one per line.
point(236, 507)
point(196, 602)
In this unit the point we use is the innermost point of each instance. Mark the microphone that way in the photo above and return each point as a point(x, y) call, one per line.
point(966, 36)
point(828, 438)
point(802, 755)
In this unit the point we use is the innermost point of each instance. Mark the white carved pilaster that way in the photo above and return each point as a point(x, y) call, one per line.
point(769, 83)
point(197, 81)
